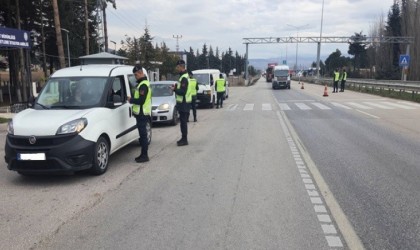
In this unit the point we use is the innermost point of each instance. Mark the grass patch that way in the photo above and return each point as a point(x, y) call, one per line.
point(4, 120)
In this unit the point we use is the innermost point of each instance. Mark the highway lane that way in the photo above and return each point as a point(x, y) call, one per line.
point(242, 185)
point(367, 150)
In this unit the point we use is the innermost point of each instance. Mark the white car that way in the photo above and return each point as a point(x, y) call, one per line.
point(63, 132)
point(164, 103)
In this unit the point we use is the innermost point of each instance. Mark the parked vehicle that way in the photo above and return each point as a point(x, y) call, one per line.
point(80, 117)
point(226, 96)
point(281, 77)
point(206, 94)
point(164, 103)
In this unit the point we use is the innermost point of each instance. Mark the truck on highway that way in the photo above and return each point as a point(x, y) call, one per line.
point(281, 77)
point(269, 74)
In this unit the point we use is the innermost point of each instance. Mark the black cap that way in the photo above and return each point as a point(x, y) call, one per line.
point(190, 73)
point(137, 67)
point(180, 62)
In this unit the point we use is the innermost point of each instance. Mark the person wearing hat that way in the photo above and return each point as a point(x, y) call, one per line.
point(183, 100)
point(142, 109)
point(220, 90)
point(194, 87)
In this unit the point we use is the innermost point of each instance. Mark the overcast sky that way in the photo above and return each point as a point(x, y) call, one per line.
point(224, 23)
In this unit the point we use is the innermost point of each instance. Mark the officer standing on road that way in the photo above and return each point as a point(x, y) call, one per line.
point(194, 87)
point(343, 78)
point(336, 78)
point(220, 89)
point(142, 109)
point(183, 100)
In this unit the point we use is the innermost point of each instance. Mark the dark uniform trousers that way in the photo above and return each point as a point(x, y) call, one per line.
point(220, 99)
point(141, 126)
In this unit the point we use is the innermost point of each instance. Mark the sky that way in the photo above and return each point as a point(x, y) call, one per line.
point(224, 24)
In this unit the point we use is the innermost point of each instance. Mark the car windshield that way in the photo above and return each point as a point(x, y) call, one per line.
point(71, 93)
point(159, 90)
point(281, 72)
point(202, 79)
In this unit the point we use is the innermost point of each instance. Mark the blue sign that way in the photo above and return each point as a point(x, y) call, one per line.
point(14, 38)
point(404, 60)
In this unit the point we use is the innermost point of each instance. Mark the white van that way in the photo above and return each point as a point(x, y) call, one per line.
point(65, 131)
point(206, 94)
point(281, 77)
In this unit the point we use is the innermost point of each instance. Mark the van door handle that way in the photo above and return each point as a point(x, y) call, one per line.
point(130, 112)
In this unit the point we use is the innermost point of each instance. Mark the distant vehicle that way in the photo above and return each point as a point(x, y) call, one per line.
point(269, 72)
point(67, 130)
point(164, 103)
point(281, 77)
point(206, 94)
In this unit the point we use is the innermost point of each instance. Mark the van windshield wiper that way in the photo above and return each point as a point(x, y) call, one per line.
point(42, 106)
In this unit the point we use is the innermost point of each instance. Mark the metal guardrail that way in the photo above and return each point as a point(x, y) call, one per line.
point(371, 85)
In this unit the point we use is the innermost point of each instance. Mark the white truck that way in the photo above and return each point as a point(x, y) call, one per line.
point(206, 94)
point(61, 133)
point(281, 77)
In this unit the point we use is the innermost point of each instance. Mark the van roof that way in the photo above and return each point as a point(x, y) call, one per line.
point(93, 70)
point(280, 67)
point(203, 71)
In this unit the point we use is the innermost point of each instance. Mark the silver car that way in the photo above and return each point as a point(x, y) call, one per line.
point(164, 103)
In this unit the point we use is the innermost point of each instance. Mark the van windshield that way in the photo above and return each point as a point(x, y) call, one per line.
point(71, 93)
point(281, 72)
point(202, 79)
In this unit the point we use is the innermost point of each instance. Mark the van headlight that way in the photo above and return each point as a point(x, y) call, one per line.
point(10, 129)
point(164, 106)
point(75, 126)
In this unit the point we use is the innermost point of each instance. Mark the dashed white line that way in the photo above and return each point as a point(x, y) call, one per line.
point(249, 107)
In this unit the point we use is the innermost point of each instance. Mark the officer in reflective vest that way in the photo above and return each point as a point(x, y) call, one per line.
point(183, 100)
point(194, 87)
point(336, 79)
point(142, 109)
point(220, 89)
point(343, 78)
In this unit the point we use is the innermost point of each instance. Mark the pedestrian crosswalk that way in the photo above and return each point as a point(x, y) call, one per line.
point(313, 105)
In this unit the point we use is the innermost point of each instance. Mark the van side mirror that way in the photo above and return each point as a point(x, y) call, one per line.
point(31, 101)
point(117, 100)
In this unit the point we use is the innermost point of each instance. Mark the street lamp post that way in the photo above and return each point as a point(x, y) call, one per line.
point(115, 47)
point(297, 43)
point(68, 45)
point(319, 44)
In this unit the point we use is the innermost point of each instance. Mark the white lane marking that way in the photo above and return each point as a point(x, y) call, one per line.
point(378, 105)
point(329, 229)
point(411, 104)
point(365, 113)
point(324, 218)
point(284, 106)
point(398, 105)
point(266, 107)
point(358, 105)
point(334, 241)
point(352, 239)
point(320, 209)
point(320, 106)
point(340, 105)
point(302, 106)
point(249, 107)
point(232, 107)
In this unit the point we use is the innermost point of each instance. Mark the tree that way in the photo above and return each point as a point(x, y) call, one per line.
point(358, 49)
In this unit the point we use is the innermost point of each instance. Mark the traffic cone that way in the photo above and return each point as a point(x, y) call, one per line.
point(302, 86)
point(325, 90)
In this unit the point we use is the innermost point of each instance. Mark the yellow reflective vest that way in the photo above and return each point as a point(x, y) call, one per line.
point(220, 85)
point(188, 96)
point(336, 76)
point(147, 106)
point(192, 84)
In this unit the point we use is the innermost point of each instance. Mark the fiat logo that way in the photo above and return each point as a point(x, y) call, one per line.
point(32, 139)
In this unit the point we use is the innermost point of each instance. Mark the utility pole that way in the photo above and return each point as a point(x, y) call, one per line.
point(58, 34)
point(86, 28)
point(177, 37)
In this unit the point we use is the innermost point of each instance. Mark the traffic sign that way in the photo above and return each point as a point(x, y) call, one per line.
point(404, 60)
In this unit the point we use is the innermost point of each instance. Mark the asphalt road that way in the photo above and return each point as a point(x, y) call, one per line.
point(273, 169)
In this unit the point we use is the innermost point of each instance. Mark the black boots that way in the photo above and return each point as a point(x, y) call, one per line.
point(142, 158)
point(182, 142)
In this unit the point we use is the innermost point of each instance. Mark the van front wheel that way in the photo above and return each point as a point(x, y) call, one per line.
point(100, 157)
